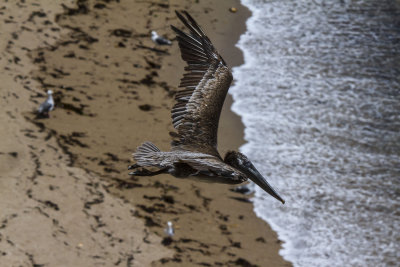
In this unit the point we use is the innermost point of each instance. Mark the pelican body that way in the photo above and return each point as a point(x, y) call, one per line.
point(195, 117)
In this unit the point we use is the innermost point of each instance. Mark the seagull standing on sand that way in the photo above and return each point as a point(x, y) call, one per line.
point(159, 39)
point(169, 230)
point(47, 105)
point(195, 117)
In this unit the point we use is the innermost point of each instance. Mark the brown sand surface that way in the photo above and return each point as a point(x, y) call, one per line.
point(52, 213)
point(66, 198)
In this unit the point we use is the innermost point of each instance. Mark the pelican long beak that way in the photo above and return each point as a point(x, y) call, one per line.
point(257, 178)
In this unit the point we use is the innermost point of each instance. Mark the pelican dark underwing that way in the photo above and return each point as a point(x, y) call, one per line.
point(195, 117)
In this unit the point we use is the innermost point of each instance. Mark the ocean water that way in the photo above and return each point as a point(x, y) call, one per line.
point(319, 95)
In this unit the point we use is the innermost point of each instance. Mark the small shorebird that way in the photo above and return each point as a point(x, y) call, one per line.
point(195, 118)
point(169, 231)
point(159, 39)
point(47, 105)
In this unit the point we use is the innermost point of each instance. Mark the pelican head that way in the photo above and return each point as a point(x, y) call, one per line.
point(49, 92)
point(243, 164)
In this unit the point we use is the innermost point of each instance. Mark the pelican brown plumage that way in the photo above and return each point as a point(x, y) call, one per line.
point(195, 117)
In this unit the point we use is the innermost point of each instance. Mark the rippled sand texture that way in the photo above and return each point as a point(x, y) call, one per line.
point(52, 213)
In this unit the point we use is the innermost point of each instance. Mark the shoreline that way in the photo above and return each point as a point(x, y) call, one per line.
point(112, 93)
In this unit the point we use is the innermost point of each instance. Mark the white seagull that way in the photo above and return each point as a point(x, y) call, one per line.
point(159, 39)
point(47, 105)
point(169, 230)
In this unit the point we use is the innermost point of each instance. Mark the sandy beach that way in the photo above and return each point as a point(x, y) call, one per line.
point(65, 193)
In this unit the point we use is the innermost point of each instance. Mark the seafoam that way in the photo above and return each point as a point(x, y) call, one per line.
point(319, 95)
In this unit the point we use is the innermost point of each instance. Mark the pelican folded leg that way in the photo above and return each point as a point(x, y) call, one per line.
point(133, 166)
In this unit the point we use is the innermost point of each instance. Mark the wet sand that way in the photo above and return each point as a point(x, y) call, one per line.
point(64, 180)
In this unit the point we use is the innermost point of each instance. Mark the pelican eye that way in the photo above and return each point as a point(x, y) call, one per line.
point(248, 164)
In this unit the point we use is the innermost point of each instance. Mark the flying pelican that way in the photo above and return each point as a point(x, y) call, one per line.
point(195, 118)
point(47, 105)
point(159, 39)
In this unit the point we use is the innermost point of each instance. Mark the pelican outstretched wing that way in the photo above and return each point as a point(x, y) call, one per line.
point(207, 79)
